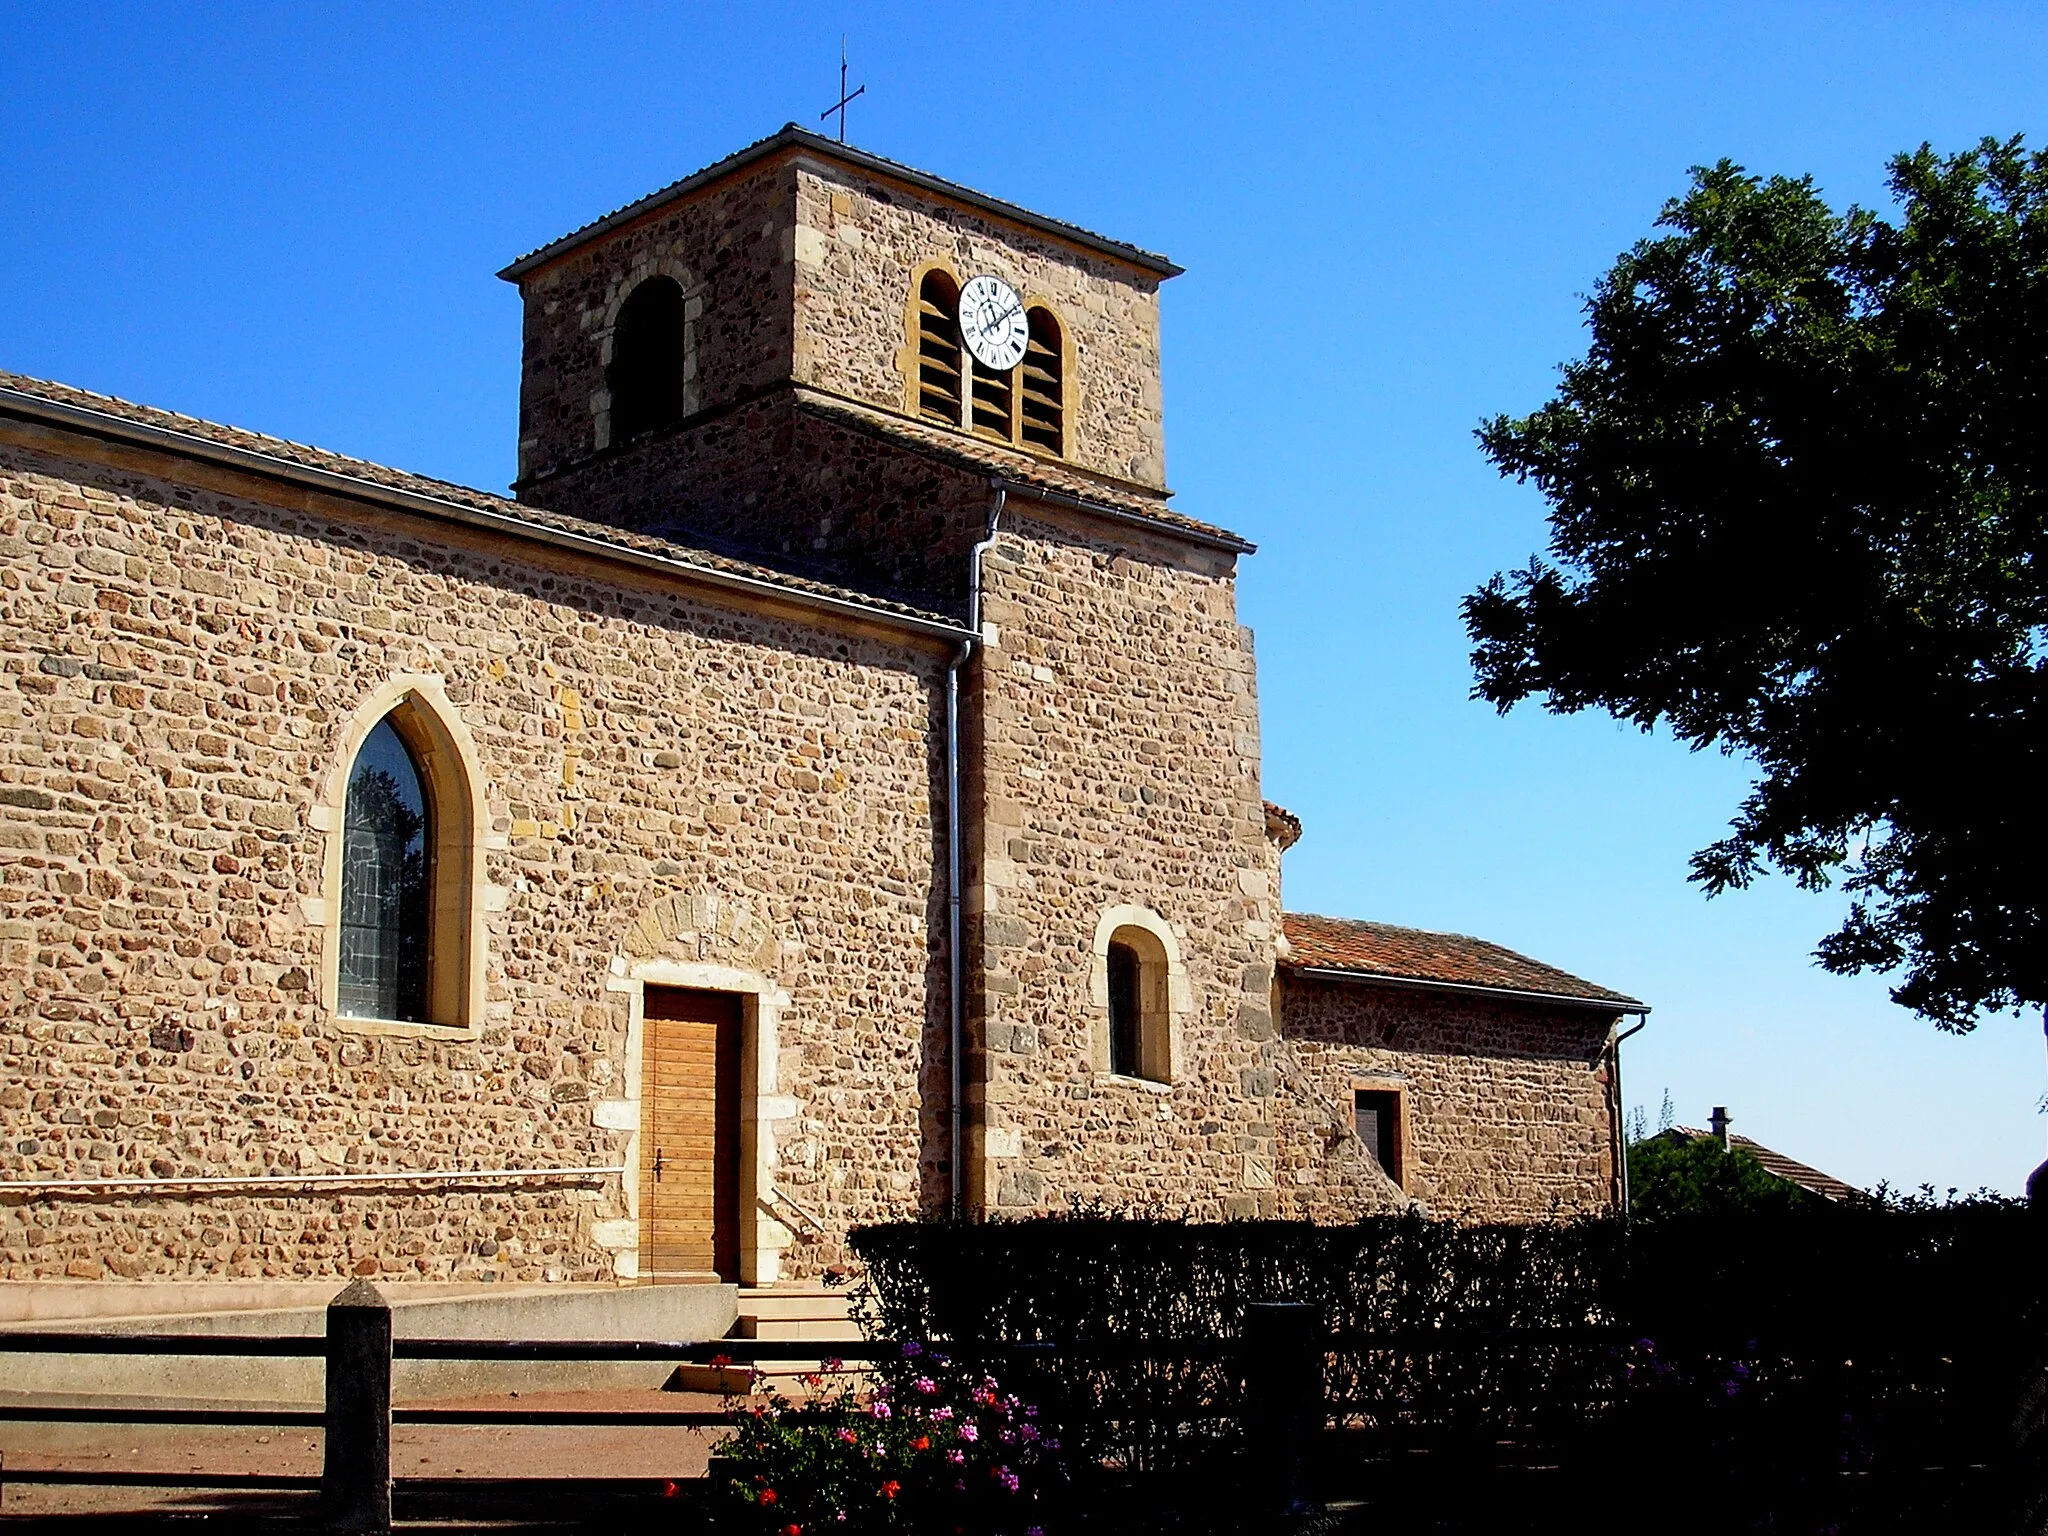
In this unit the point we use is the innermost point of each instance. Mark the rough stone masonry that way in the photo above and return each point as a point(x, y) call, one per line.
point(683, 713)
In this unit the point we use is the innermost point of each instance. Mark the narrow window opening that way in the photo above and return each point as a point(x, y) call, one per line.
point(1126, 1012)
point(1378, 1119)
point(387, 882)
point(1043, 383)
point(938, 349)
point(646, 372)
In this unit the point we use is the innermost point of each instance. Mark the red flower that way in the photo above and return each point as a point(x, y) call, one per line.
point(921, 1443)
point(891, 1488)
point(792, 1530)
point(767, 1495)
point(669, 1489)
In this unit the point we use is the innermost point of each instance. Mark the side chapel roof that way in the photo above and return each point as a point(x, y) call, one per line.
point(1381, 952)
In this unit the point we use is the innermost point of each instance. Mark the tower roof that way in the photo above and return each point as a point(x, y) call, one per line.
point(793, 137)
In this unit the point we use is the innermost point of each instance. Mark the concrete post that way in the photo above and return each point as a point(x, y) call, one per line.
point(355, 1482)
point(1283, 1402)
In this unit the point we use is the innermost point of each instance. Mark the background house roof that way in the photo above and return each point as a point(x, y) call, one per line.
point(1381, 951)
point(1790, 1169)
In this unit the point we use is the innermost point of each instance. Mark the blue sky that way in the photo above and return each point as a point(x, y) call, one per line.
point(288, 218)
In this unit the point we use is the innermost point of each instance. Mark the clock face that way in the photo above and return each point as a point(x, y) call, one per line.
point(992, 323)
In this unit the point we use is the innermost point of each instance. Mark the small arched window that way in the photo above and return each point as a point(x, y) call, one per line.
point(1140, 1021)
point(1043, 378)
point(387, 883)
point(938, 348)
point(646, 372)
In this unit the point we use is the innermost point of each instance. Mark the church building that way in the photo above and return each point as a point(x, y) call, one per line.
point(826, 791)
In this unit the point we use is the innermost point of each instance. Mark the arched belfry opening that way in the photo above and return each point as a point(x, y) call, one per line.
point(645, 375)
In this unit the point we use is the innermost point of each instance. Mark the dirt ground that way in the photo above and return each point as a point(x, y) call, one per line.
point(417, 1451)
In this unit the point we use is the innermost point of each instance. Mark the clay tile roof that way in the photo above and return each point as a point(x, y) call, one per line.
point(507, 514)
point(1790, 1169)
point(1380, 951)
point(792, 135)
point(1282, 825)
point(1014, 464)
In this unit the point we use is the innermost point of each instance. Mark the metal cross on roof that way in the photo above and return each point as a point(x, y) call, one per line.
point(839, 106)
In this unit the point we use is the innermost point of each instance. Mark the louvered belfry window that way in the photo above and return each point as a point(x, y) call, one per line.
point(1042, 376)
point(387, 882)
point(938, 349)
point(1024, 406)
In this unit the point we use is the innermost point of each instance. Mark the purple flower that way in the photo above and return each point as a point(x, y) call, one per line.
point(912, 1350)
point(1007, 1478)
point(1028, 1433)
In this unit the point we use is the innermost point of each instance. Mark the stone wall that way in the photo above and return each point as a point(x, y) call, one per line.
point(181, 662)
point(859, 243)
point(1117, 740)
point(773, 482)
point(1508, 1101)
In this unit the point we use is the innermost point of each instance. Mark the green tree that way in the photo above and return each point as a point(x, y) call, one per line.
point(1698, 1177)
point(1796, 514)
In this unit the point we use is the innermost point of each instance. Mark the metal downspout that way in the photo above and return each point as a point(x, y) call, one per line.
point(956, 1022)
point(1621, 1111)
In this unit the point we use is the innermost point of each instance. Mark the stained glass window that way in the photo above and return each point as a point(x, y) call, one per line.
point(386, 883)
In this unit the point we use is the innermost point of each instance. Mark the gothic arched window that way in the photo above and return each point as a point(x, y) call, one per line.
point(646, 372)
point(1042, 375)
point(387, 883)
point(938, 348)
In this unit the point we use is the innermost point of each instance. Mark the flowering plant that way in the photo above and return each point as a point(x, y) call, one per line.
point(928, 1449)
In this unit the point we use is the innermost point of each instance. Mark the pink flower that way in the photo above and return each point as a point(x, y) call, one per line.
point(879, 1410)
point(956, 1457)
point(942, 1413)
point(968, 1432)
point(925, 1385)
point(849, 1437)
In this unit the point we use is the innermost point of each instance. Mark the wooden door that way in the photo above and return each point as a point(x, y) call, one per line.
point(689, 1134)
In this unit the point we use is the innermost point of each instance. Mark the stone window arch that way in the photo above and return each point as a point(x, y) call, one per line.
point(1041, 383)
point(403, 895)
point(1140, 995)
point(1024, 406)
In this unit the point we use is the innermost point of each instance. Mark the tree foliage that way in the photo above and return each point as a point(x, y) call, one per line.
point(1796, 492)
point(1699, 1177)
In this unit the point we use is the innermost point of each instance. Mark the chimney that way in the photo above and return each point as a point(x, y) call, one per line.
point(1720, 1123)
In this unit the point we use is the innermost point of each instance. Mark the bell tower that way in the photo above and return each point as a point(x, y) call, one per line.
point(809, 356)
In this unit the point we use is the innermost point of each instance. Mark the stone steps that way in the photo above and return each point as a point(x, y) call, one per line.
point(797, 1313)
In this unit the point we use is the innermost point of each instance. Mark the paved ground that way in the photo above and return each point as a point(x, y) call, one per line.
point(417, 1451)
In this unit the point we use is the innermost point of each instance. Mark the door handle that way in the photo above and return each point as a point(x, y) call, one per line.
point(657, 1165)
